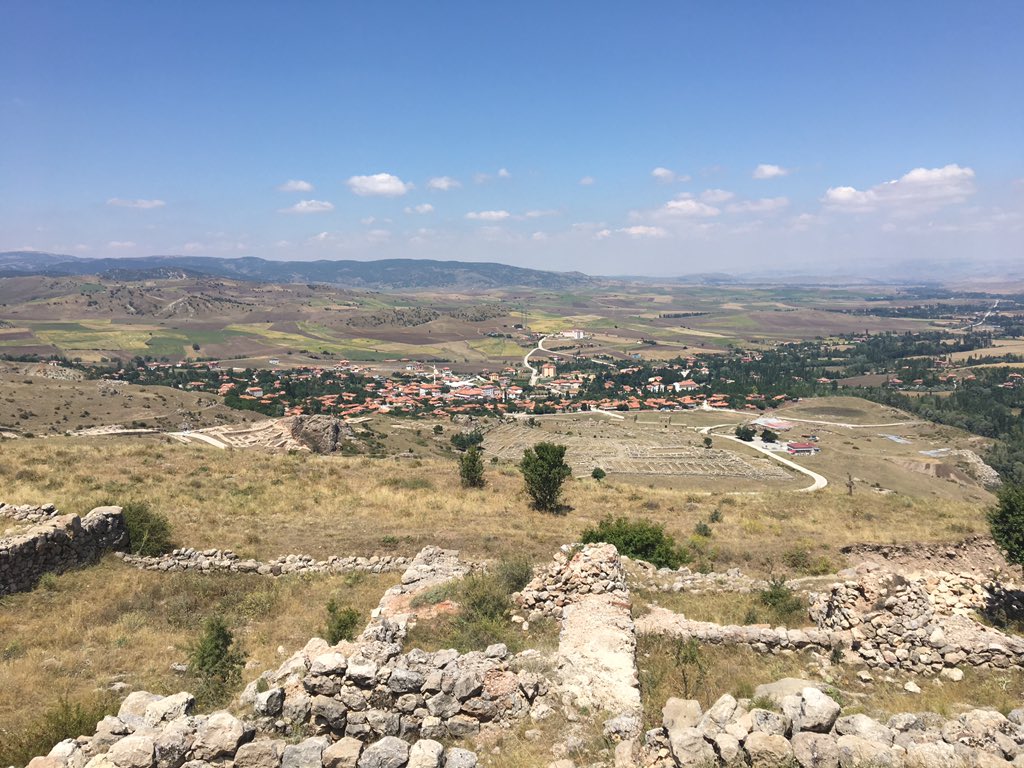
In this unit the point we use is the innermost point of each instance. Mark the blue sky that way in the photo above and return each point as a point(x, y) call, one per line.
point(668, 138)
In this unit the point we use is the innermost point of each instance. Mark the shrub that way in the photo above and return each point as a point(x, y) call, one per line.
point(639, 539)
point(215, 662)
point(708, 442)
point(544, 470)
point(342, 623)
point(149, 532)
point(64, 720)
point(515, 573)
point(715, 516)
point(786, 607)
point(1006, 521)
point(463, 441)
point(702, 529)
point(768, 436)
point(471, 468)
point(598, 474)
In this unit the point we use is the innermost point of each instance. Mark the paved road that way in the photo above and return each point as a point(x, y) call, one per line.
point(534, 373)
point(820, 481)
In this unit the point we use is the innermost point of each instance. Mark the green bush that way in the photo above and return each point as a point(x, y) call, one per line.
point(149, 532)
point(544, 470)
point(639, 539)
point(702, 529)
point(515, 573)
point(1006, 522)
point(786, 607)
point(471, 468)
point(598, 474)
point(342, 623)
point(746, 433)
point(463, 441)
point(215, 662)
point(64, 720)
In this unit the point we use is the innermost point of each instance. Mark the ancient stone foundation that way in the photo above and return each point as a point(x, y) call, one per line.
point(58, 544)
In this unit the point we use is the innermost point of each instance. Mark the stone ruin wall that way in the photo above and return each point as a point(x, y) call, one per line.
point(55, 543)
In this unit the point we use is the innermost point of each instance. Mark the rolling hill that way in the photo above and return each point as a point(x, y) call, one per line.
point(400, 274)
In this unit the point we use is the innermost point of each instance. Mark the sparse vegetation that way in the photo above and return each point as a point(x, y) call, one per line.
point(639, 539)
point(65, 719)
point(746, 433)
point(342, 622)
point(216, 662)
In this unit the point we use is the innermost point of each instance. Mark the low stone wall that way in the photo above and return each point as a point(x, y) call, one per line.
point(369, 689)
point(575, 572)
point(226, 561)
point(152, 731)
point(29, 513)
point(808, 732)
point(62, 543)
point(918, 624)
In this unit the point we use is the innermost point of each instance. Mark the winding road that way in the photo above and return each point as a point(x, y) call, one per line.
point(820, 481)
point(534, 373)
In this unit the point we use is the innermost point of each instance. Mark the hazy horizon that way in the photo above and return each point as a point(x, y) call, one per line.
point(663, 140)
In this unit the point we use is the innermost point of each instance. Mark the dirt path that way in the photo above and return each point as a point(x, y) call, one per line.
point(535, 373)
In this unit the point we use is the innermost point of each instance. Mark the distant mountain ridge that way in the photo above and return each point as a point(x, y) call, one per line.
point(382, 273)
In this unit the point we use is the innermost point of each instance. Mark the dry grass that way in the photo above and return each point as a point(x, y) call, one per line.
point(265, 505)
point(732, 608)
point(84, 630)
point(669, 668)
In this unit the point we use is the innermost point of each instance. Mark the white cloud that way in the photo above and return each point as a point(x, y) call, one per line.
point(640, 230)
point(378, 235)
point(763, 205)
point(919, 190)
point(769, 171)
point(636, 231)
point(540, 213)
point(443, 183)
point(120, 244)
point(667, 175)
point(295, 185)
point(140, 204)
point(481, 178)
point(308, 206)
point(716, 195)
point(488, 215)
point(588, 181)
point(379, 184)
point(687, 207)
point(421, 208)
point(322, 237)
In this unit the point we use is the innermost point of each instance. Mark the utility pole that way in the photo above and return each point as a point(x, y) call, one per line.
point(849, 484)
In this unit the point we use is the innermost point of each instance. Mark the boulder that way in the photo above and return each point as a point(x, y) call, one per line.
point(305, 754)
point(460, 758)
point(689, 747)
point(133, 709)
point(818, 712)
point(166, 709)
point(815, 750)
point(717, 717)
point(682, 713)
point(766, 721)
point(173, 742)
point(426, 753)
point(935, 754)
point(780, 689)
point(343, 753)
point(132, 752)
point(219, 736)
point(260, 754)
point(269, 702)
point(858, 752)
point(766, 750)
point(865, 727)
point(389, 752)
